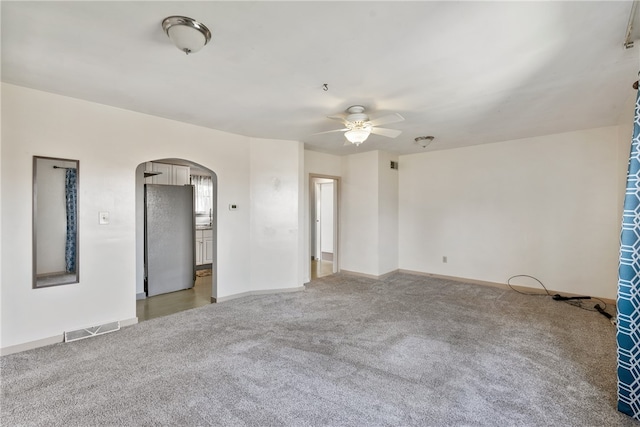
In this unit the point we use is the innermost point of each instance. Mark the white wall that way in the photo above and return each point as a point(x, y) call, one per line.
point(2, 181)
point(110, 143)
point(546, 206)
point(322, 164)
point(359, 232)
point(387, 213)
point(274, 214)
point(369, 225)
point(625, 133)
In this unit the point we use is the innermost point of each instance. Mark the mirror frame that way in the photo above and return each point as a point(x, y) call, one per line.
point(67, 278)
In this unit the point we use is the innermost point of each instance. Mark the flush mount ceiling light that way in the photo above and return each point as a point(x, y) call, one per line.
point(423, 141)
point(187, 34)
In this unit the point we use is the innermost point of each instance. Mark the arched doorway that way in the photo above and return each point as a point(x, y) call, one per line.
point(171, 172)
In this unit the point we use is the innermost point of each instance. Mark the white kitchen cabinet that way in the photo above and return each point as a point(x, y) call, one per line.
point(207, 244)
point(167, 174)
point(164, 177)
point(180, 175)
point(199, 247)
point(204, 247)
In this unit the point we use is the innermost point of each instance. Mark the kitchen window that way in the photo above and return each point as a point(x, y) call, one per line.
point(204, 193)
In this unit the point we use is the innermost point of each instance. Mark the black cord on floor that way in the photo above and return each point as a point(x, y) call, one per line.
point(580, 304)
point(528, 293)
point(576, 303)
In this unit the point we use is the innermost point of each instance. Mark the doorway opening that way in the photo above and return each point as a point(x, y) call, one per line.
point(194, 247)
point(324, 199)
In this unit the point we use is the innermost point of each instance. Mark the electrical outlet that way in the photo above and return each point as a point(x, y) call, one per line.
point(444, 259)
point(103, 218)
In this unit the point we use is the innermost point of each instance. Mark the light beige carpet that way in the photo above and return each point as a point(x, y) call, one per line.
point(348, 351)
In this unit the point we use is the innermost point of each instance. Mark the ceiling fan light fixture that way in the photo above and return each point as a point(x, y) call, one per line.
point(357, 136)
point(186, 33)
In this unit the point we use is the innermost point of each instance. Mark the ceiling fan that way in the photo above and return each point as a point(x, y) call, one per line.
point(358, 126)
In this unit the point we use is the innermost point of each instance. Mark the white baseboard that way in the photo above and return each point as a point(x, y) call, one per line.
point(18, 348)
point(31, 345)
point(326, 256)
point(369, 276)
point(497, 285)
point(129, 322)
point(140, 296)
point(250, 293)
point(460, 279)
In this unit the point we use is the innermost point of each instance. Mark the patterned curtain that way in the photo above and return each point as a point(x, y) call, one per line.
point(71, 197)
point(629, 285)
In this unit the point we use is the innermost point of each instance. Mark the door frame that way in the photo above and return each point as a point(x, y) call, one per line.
point(313, 201)
point(139, 203)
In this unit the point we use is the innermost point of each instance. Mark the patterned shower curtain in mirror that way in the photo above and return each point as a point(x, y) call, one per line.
point(71, 197)
point(628, 335)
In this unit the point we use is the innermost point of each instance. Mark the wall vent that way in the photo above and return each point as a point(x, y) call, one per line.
point(394, 165)
point(91, 331)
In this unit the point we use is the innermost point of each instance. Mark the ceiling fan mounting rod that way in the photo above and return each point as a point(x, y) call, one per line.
point(356, 114)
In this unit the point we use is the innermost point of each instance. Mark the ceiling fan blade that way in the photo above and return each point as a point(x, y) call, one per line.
point(330, 131)
point(390, 133)
point(391, 118)
point(339, 118)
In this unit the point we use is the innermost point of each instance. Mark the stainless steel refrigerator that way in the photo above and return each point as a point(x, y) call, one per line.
point(169, 242)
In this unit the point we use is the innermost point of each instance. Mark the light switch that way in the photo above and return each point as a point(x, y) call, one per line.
point(104, 218)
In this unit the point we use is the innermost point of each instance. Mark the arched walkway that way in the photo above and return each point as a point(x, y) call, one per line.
point(204, 291)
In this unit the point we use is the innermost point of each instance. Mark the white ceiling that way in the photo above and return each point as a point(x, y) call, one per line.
point(467, 73)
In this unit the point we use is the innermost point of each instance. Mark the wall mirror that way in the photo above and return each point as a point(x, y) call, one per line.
point(55, 221)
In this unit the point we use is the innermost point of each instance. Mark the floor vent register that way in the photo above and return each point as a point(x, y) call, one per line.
point(91, 331)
